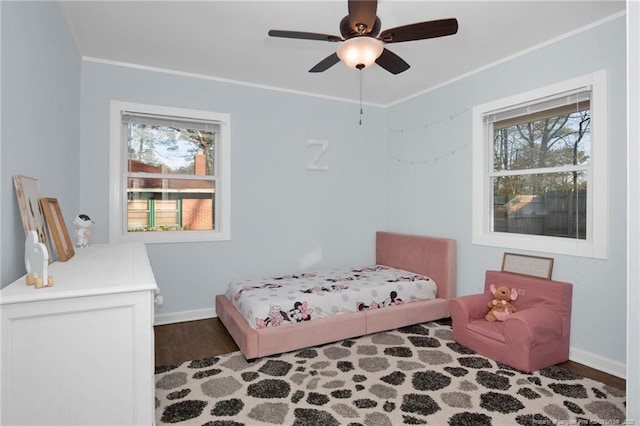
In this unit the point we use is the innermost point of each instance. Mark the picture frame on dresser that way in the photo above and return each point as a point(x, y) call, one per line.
point(57, 228)
point(28, 194)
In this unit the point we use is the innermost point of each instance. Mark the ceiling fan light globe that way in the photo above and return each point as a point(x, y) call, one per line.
point(360, 52)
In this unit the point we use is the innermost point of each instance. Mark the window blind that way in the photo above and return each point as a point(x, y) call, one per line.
point(168, 121)
point(540, 109)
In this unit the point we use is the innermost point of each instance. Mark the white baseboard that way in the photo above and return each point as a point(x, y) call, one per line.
point(606, 365)
point(162, 319)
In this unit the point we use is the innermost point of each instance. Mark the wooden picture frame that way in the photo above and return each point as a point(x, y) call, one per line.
point(28, 194)
point(57, 228)
point(535, 266)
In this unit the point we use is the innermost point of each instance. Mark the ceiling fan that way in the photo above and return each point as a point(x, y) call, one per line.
point(360, 46)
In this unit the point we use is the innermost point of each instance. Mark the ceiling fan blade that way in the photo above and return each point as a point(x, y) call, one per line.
point(420, 31)
point(326, 63)
point(303, 35)
point(392, 62)
point(362, 12)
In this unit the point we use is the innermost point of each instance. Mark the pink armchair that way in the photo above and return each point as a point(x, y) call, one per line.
point(534, 337)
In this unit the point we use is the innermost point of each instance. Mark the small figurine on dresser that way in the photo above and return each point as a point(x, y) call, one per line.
point(36, 262)
point(83, 225)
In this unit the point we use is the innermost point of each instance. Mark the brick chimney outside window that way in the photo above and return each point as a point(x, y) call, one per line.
point(200, 168)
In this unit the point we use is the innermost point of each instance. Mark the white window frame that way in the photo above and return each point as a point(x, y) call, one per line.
point(596, 243)
point(118, 167)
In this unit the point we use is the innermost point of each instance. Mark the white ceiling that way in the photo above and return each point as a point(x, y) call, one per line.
point(228, 39)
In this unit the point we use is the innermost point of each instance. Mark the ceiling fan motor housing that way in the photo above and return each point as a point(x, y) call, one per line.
point(348, 31)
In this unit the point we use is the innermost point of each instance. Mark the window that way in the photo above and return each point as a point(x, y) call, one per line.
point(169, 174)
point(539, 169)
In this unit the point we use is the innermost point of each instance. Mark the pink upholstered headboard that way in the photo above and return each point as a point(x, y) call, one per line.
point(431, 256)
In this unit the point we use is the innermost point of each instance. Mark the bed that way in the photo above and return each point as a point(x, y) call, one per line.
point(427, 256)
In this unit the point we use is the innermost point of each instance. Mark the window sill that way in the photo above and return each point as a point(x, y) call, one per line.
point(543, 244)
point(161, 237)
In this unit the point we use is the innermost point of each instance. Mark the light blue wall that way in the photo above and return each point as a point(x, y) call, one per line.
point(40, 113)
point(435, 198)
point(284, 218)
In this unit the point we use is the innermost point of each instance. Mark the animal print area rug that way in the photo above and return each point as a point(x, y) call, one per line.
point(414, 375)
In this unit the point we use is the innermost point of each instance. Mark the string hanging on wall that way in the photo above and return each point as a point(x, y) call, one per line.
point(425, 126)
point(431, 160)
point(429, 124)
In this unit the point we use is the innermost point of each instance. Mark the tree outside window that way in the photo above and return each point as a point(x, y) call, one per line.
point(171, 174)
point(529, 200)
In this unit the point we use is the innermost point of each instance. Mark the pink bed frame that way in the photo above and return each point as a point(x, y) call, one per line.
point(434, 257)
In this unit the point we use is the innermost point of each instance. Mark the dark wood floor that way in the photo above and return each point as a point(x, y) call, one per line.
point(186, 341)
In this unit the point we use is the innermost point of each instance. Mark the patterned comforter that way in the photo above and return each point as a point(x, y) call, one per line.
point(290, 299)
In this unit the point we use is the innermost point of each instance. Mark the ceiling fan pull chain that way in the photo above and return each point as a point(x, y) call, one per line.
point(360, 97)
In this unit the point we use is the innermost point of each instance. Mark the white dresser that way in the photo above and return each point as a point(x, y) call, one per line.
point(81, 352)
